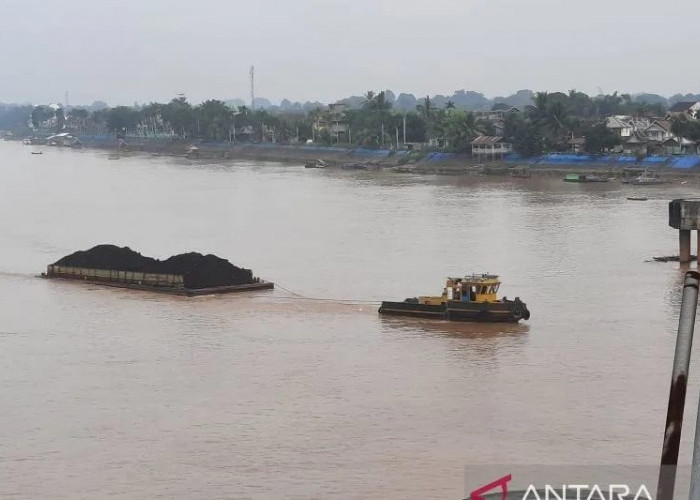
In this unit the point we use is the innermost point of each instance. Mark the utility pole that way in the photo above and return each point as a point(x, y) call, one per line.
point(232, 129)
point(66, 100)
point(397, 138)
point(252, 88)
point(404, 128)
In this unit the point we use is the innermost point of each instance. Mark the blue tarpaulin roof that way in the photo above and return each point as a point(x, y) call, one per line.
point(585, 160)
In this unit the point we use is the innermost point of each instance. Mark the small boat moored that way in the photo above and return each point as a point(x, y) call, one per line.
point(520, 172)
point(647, 179)
point(471, 298)
point(584, 178)
point(316, 164)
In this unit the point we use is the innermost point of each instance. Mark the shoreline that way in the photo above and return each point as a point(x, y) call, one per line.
point(423, 162)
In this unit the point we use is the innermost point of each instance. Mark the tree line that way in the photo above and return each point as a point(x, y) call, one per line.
point(546, 124)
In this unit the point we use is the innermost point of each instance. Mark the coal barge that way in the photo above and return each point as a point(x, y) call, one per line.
point(472, 298)
point(187, 274)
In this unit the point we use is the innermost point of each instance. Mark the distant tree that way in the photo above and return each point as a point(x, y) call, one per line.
point(608, 105)
point(369, 99)
point(377, 103)
point(122, 118)
point(599, 138)
point(550, 118)
point(98, 106)
point(579, 104)
point(150, 118)
point(40, 114)
point(79, 116)
point(523, 134)
point(459, 128)
point(688, 129)
point(215, 120)
point(60, 120)
point(15, 118)
point(78, 113)
point(651, 99)
point(425, 108)
point(415, 128)
point(179, 114)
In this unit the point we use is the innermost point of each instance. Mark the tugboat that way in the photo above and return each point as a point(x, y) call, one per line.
point(471, 298)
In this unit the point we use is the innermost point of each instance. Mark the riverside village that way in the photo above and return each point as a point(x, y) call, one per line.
point(464, 132)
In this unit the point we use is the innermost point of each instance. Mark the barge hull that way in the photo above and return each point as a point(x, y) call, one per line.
point(412, 309)
point(483, 313)
point(510, 312)
point(150, 282)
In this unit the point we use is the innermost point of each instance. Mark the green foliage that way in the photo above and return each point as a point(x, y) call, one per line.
point(78, 113)
point(60, 119)
point(459, 128)
point(40, 114)
point(179, 114)
point(15, 118)
point(524, 135)
point(689, 129)
point(121, 118)
point(416, 128)
point(373, 121)
point(215, 120)
point(600, 139)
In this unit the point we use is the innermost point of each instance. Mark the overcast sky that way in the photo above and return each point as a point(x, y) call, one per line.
point(144, 50)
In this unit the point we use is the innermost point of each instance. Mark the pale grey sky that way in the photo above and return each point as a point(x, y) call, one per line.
point(123, 51)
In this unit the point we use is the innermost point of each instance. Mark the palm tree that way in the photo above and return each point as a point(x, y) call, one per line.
point(425, 109)
point(315, 114)
point(550, 117)
point(460, 129)
point(450, 105)
point(80, 115)
point(369, 99)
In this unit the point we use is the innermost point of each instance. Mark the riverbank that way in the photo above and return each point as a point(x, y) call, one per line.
point(423, 162)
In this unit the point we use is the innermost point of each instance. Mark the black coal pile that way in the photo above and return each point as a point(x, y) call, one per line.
point(204, 271)
point(199, 271)
point(109, 257)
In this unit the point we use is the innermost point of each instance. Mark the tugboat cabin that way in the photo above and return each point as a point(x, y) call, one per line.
point(477, 288)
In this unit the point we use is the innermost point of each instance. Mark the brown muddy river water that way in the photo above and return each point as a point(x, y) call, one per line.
point(116, 393)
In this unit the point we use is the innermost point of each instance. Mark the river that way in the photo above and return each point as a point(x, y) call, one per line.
point(112, 392)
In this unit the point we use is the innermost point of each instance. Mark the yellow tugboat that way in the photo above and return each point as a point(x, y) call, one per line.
point(472, 298)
